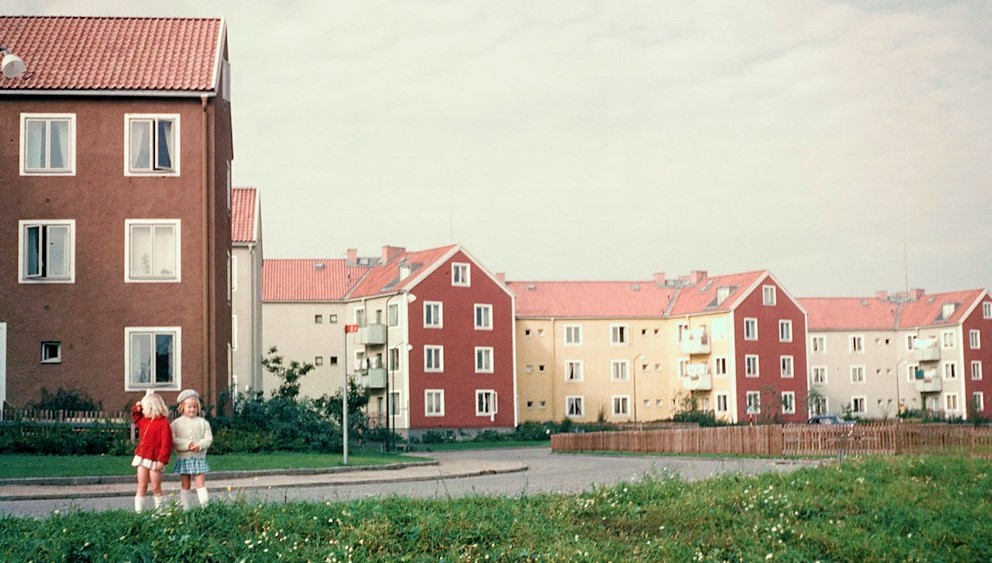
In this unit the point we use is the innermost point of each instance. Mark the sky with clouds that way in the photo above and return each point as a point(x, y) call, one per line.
point(844, 146)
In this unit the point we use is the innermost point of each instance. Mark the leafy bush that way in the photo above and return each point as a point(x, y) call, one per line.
point(65, 400)
point(19, 436)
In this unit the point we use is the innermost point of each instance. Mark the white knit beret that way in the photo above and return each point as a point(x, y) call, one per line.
point(186, 394)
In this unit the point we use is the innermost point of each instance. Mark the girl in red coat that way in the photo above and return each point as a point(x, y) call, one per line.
point(151, 416)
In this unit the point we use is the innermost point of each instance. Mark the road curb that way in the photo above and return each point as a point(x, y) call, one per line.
point(257, 480)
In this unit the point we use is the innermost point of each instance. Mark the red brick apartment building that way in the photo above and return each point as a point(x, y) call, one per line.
point(115, 230)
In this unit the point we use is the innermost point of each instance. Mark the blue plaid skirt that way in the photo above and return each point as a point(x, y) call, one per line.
point(191, 466)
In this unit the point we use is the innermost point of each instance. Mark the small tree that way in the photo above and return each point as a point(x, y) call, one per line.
point(290, 376)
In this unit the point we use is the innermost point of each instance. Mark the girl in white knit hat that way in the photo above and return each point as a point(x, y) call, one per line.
point(192, 437)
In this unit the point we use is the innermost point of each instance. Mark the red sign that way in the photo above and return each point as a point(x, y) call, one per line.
point(350, 328)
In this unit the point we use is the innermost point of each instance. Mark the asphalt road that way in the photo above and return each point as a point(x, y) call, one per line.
point(546, 473)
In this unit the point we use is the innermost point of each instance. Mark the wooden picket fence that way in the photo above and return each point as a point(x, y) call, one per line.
point(789, 439)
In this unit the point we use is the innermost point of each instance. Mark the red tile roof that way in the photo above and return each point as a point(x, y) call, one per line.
point(702, 296)
point(82, 54)
point(878, 313)
point(835, 313)
point(244, 215)
point(308, 279)
point(610, 299)
point(927, 310)
point(385, 278)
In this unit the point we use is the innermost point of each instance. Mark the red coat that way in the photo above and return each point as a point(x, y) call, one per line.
point(154, 437)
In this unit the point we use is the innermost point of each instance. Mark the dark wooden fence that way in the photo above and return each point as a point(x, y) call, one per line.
point(791, 439)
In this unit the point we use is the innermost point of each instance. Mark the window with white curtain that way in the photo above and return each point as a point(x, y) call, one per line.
point(152, 145)
point(152, 250)
point(48, 144)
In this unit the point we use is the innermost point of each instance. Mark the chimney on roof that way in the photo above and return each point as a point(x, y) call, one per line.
point(916, 294)
point(352, 256)
point(697, 276)
point(659, 279)
point(390, 252)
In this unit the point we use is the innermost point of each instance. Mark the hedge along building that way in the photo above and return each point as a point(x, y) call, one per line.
point(115, 235)
point(641, 351)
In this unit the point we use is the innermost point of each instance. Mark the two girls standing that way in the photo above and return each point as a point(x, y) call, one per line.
point(189, 434)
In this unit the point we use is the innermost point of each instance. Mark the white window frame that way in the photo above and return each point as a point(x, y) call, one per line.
point(234, 333)
point(976, 370)
point(393, 314)
point(978, 401)
point(47, 357)
point(752, 365)
point(855, 401)
point(433, 402)
point(856, 369)
point(787, 366)
point(573, 335)
point(814, 379)
point(433, 358)
point(433, 309)
point(752, 402)
point(722, 403)
point(569, 371)
point(987, 310)
point(619, 370)
point(48, 118)
point(750, 328)
point(485, 402)
point(154, 224)
point(949, 371)
point(153, 331)
point(461, 274)
point(483, 316)
point(576, 403)
point(788, 402)
point(720, 366)
point(975, 339)
point(818, 344)
point(619, 335)
point(69, 252)
point(948, 400)
point(768, 295)
point(857, 344)
point(155, 169)
point(360, 319)
point(947, 339)
point(621, 405)
point(484, 360)
point(785, 330)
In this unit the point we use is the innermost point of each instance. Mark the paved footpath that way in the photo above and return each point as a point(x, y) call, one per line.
point(509, 472)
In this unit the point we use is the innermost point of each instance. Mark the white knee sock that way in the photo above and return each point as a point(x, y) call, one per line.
point(158, 500)
point(186, 499)
point(201, 494)
point(139, 504)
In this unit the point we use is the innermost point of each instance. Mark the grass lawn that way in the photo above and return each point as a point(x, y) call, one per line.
point(872, 509)
point(17, 465)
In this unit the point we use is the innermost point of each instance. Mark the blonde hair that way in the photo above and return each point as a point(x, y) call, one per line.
point(153, 406)
point(196, 402)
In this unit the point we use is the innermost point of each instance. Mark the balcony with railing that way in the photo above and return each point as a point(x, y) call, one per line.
point(927, 381)
point(374, 334)
point(697, 377)
point(695, 341)
point(374, 378)
point(926, 350)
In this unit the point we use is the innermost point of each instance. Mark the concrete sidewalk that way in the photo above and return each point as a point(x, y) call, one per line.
point(232, 481)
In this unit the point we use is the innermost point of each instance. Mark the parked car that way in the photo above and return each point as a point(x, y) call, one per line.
point(829, 419)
